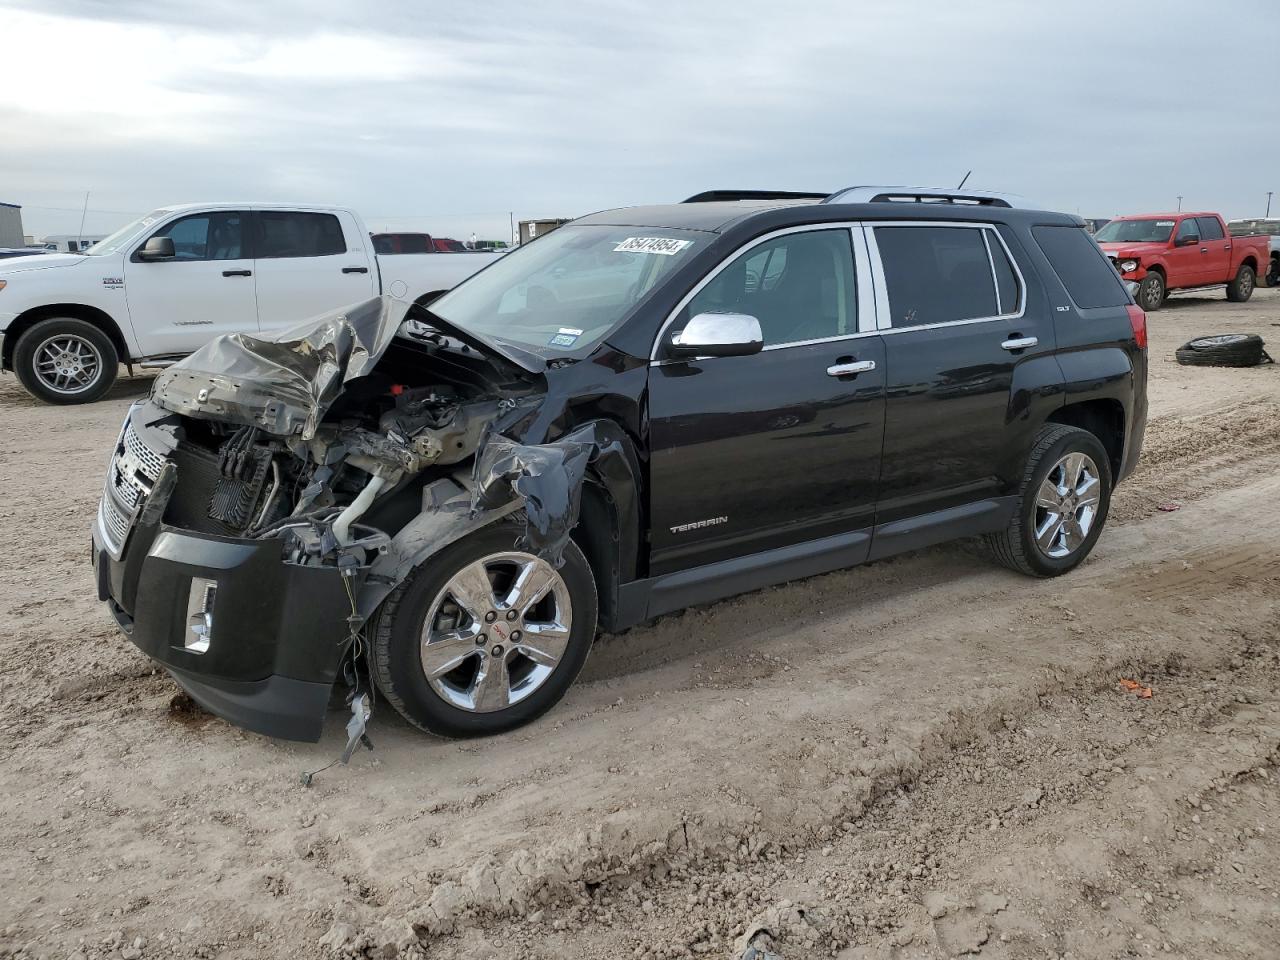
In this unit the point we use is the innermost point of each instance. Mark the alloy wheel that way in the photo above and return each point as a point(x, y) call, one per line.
point(67, 364)
point(496, 632)
point(1067, 505)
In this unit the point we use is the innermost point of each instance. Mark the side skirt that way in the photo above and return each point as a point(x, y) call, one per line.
point(642, 600)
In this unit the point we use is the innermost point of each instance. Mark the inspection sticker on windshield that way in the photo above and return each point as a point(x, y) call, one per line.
point(665, 246)
point(567, 337)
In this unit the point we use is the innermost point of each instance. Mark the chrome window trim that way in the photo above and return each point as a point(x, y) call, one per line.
point(862, 281)
point(884, 317)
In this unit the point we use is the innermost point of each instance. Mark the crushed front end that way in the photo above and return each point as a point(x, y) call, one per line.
point(266, 497)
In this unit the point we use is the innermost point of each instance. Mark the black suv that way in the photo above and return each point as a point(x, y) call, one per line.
point(646, 409)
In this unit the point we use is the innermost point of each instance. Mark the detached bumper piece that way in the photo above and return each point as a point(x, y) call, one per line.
point(251, 638)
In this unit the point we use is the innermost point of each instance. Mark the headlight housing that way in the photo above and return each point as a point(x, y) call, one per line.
point(1127, 266)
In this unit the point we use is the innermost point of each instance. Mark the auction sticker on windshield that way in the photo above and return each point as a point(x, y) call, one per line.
point(665, 246)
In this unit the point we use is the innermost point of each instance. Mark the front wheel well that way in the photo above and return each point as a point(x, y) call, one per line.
point(1104, 418)
point(77, 311)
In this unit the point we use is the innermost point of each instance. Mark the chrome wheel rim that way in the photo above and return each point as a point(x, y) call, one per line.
point(1067, 505)
point(1246, 283)
point(67, 364)
point(496, 632)
point(1155, 293)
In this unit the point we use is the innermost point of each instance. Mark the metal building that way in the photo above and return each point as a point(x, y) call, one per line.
point(536, 228)
point(11, 225)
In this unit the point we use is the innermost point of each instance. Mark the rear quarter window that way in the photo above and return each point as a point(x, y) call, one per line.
point(1090, 279)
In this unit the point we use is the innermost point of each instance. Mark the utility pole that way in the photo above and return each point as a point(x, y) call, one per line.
point(1179, 203)
point(1269, 203)
point(511, 222)
point(83, 214)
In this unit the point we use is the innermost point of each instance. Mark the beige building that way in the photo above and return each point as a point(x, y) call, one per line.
point(536, 228)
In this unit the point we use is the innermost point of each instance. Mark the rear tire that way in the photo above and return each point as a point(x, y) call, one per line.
point(1241, 288)
point(1151, 292)
point(442, 686)
point(64, 361)
point(1061, 512)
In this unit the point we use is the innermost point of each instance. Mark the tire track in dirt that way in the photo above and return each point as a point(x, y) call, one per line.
point(707, 843)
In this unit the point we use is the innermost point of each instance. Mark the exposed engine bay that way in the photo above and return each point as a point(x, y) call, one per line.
point(299, 437)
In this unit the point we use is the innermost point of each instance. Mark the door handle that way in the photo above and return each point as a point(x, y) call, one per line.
point(237, 273)
point(851, 369)
point(355, 269)
point(1020, 343)
point(1204, 249)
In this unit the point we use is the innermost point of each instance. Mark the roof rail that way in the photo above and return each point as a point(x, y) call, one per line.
point(981, 198)
point(713, 196)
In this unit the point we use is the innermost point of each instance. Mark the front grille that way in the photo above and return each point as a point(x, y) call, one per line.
point(134, 469)
point(150, 462)
point(115, 525)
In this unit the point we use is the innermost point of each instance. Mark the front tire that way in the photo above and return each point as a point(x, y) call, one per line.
point(1241, 288)
point(64, 361)
point(484, 638)
point(1151, 292)
point(1063, 502)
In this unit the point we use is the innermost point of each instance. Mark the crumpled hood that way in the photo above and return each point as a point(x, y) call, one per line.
point(282, 383)
point(40, 261)
point(1136, 250)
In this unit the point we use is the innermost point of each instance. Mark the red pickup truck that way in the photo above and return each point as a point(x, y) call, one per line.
point(1180, 251)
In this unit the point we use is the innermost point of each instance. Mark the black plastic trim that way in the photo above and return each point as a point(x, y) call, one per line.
point(275, 707)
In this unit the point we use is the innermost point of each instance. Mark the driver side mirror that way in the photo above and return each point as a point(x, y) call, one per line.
point(1187, 241)
point(717, 335)
point(157, 248)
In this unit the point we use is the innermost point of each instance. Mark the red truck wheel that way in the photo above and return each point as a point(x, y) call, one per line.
point(1151, 292)
point(1241, 288)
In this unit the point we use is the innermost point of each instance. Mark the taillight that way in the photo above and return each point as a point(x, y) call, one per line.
point(1138, 320)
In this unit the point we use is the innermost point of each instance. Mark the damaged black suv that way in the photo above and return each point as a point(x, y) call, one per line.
point(646, 409)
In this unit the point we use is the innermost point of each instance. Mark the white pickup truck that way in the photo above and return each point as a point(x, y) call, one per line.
point(167, 283)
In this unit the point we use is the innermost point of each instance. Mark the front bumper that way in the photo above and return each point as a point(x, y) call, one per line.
point(279, 630)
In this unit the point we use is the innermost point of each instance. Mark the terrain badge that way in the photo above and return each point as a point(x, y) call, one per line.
point(699, 524)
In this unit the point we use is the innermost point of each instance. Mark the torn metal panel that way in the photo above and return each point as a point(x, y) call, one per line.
point(547, 478)
point(446, 517)
point(283, 383)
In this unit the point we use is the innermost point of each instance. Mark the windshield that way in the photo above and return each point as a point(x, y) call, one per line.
point(1135, 231)
point(1250, 228)
point(566, 291)
point(125, 235)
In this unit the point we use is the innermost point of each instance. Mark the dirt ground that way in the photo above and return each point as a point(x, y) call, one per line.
point(925, 757)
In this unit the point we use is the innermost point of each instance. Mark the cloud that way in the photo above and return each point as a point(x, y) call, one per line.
point(419, 113)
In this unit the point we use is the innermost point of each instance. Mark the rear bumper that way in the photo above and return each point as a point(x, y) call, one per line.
point(279, 630)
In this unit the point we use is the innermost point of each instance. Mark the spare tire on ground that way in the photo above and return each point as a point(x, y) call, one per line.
point(1223, 350)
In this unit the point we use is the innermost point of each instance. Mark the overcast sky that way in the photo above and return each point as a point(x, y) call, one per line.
point(444, 115)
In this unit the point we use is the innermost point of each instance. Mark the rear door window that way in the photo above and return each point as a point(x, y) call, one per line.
point(1084, 270)
point(1210, 229)
point(283, 233)
point(936, 274)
